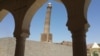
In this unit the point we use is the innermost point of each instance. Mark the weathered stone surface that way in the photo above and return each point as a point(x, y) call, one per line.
point(34, 48)
point(3, 13)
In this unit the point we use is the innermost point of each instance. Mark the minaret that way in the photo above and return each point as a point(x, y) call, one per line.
point(46, 35)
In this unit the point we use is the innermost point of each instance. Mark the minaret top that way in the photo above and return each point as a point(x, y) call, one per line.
point(49, 4)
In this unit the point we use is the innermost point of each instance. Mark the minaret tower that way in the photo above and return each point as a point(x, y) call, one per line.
point(46, 35)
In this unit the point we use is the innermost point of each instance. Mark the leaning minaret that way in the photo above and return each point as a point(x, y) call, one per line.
point(46, 35)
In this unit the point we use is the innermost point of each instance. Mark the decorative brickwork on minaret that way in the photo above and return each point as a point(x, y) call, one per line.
point(46, 35)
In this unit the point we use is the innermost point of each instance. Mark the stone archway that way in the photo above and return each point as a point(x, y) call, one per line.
point(77, 24)
point(29, 14)
point(20, 9)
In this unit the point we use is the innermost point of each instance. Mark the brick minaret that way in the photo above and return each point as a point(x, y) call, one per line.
point(46, 35)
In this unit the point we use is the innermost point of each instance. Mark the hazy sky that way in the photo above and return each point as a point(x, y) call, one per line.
point(58, 21)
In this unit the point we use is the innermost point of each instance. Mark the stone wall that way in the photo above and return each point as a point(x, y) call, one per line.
point(34, 48)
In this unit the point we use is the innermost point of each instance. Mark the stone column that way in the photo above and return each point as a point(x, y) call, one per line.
point(23, 17)
point(19, 33)
point(77, 24)
point(20, 46)
point(79, 43)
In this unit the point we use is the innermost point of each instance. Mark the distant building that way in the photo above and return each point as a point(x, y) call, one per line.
point(92, 49)
point(68, 43)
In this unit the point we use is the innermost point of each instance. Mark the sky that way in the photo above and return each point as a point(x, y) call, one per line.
point(58, 26)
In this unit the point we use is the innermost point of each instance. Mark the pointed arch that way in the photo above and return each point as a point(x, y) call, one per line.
point(29, 14)
point(7, 22)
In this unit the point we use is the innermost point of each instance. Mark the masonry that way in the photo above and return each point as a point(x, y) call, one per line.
point(34, 48)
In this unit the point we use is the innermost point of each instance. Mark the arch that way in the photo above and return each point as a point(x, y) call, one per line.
point(59, 20)
point(87, 2)
point(29, 14)
point(7, 21)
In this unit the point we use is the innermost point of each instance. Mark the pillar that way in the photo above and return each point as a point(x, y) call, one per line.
point(20, 46)
point(19, 33)
point(79, 43)
point(77, 24)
